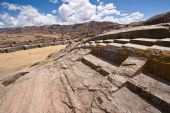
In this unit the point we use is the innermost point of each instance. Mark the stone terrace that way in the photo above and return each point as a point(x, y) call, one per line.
point(12, 46)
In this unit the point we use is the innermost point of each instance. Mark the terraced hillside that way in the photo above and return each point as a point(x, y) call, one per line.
point(125, 71)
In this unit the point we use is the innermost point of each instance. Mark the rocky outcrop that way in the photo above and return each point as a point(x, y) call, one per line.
point(154, 31)
point(161, 18)
point(99, 76)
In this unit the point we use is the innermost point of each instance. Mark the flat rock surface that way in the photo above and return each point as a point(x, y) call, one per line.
point(131, 66)
point(145, 39)
point(155, 86)
point(128, 102)
point(100, 63)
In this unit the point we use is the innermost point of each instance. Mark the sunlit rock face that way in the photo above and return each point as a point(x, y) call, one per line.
point(122, 71)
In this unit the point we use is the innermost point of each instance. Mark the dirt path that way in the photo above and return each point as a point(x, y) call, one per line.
point(11, 62)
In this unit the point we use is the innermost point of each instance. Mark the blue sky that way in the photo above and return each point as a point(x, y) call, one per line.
point(18, 13)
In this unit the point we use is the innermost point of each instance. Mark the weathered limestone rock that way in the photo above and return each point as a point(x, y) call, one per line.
point(93, 45)
point(5, 46)
point(152, 88)
point(91, 42)
point(3, 50)
point(122, 41)
point(163, 42)
point(158, 67)
point(98, 64)
point(7, 42)
point(86, 45)
point(128, 102)
point(108, 41)
point(131, 66)
point(99, 41)
point(136, 50)
point(30, 46)
point(112, 52)
point(37, 41)
point(158, 51)
point(21, 43)
point(154, 31)
point(13, 49)
point(144, 41)
point(117, 80)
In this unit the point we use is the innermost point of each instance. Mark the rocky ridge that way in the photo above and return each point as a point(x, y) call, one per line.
point(124, 71)
point(92, 28)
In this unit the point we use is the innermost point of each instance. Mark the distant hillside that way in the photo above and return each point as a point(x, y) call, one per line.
point(85, 29)
point(91, 28)
point(161, 18)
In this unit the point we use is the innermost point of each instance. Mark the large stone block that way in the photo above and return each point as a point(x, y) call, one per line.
point(37, 41)
point(13, 49)
point(154, 31)
point(122, 41)
point(21, 43)
point(113, 52)
point(5, 46)
point(136, 50)
point(158, 67)
point(163, 42)
point(143, 41)
point(3, 50)
point(30, 46)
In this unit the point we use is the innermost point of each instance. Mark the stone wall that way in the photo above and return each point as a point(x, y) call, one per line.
point(111, 53)
point(12, 46)
point(158, 60)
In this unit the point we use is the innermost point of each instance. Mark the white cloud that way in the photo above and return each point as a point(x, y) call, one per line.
point(2, 25)
point(54, 1)
point(107, 9)
point(27, 16)
point(134, 17)
point(10, 6)
point(54, 11)
point(7, 19)
point(76, 11)
point(69, 12)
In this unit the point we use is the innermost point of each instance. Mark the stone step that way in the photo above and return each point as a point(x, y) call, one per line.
point(98, 64)
point(13, 49)
point(143, 41)
point(159, 51)
point(117, 80)
point(134, 49)
point(7, 42)
point(3, 50)
point(112, 52)
point(131, 66)
point(163, 42)
point(31, 46)
point(128, 102)
point(21, 43)
point(122, 41)
point(153, 89)
point(5, 46)
point(115, 45)
point(108, 41)
point(98, 41)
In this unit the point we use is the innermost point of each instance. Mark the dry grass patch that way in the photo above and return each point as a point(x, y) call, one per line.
point(11, 62)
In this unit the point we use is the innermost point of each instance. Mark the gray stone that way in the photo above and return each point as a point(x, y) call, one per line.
point(13, 49)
